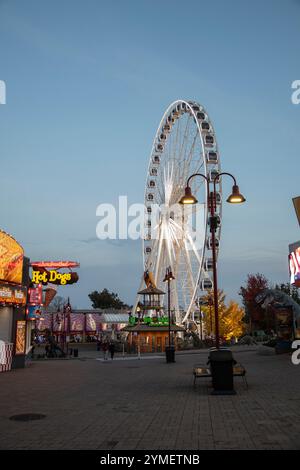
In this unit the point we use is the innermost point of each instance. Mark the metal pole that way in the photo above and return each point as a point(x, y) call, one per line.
point(215, 280)
point(64, 332)
point(211, 199)
point(201, 332)
point(139, 346)
point(169, 311)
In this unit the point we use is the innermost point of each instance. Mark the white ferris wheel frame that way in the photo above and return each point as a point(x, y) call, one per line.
point(192, 108)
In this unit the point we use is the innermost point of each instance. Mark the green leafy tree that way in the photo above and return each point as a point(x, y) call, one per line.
point(106, 299)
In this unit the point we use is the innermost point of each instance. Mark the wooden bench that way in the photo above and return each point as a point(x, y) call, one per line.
point(201, 371)
point(240, 371)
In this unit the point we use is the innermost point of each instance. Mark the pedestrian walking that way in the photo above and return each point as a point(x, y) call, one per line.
point(105, 350)
point(112, 350)
point(99, 344)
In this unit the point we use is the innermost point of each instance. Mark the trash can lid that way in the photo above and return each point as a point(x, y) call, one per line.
point(220, 355)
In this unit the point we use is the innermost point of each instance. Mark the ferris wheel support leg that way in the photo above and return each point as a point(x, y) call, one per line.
point(192, 284)
point(158, 260)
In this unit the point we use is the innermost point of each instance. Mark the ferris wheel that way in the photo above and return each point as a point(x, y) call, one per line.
point(185, 143)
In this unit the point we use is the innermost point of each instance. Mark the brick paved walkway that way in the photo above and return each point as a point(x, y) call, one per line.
point(149, 404)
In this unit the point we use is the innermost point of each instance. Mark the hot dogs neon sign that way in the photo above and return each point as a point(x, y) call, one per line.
point(53, 277)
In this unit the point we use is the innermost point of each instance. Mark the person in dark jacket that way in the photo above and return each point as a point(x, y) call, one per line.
point(111, 350)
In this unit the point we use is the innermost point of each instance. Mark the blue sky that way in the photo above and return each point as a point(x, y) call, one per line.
point(87, 83)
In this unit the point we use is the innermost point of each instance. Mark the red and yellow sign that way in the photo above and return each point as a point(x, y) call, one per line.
point(21, 337)
point(11, 259)
point(12, 294)
point(54, 277)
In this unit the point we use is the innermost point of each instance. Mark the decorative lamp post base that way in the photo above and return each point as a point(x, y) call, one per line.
point(170, 354)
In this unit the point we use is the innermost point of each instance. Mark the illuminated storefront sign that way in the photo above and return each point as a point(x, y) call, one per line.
point(11, 259)
point(53, 277)
point(55, 264)
point(294, 264)
point(35, 295)
point(12, 294)
point(21, 337)
point(34, 312)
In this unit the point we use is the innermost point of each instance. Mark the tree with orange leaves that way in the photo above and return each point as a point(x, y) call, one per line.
point(255, 314)
point(231, 324)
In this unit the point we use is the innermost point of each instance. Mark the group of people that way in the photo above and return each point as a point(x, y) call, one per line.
point(106, 347)
point(38, 339)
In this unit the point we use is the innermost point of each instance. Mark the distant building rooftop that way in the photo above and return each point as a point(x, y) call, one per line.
point(114, 318)
point(101, 311)
point(151, 291)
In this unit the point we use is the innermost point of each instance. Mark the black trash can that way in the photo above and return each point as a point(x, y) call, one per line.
point(170, 353)
point(75, 352)
point(221, 366)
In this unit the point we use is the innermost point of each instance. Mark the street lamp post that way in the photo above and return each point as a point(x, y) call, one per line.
point(168, 278)
point(68, 317)
point(200, 318)
point(234, 198)
point(58, 320)
point(169, 313)
point(210, 303)
point(139, 321)
point(65, 326)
